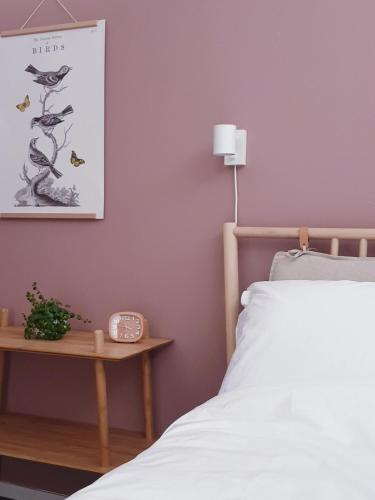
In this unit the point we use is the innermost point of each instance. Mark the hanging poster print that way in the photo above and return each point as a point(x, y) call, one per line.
point(52, 123)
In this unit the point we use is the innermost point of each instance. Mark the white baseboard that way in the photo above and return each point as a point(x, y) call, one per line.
point(21, 493)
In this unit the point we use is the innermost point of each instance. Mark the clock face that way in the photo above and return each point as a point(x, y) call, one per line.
point(126, 326)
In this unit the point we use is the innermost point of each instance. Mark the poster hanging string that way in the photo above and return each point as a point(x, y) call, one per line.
point(39, 6)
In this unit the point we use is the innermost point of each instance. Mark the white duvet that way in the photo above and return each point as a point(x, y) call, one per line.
point(315, 443)
point(295, 418)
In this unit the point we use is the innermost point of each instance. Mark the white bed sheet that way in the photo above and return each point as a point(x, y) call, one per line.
point(271, 443)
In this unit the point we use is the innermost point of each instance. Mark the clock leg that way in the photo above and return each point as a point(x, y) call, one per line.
point(147, 396)
point(101, 401)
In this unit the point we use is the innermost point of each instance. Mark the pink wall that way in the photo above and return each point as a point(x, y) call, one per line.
point(299, 75)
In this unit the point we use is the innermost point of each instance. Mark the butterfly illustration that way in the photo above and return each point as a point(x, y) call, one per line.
point(75, 161)
point(23, 105)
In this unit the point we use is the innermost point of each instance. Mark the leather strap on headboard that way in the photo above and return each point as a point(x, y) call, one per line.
point(303, 234)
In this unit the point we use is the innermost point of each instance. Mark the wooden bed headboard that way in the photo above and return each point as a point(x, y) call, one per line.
point(232, 233)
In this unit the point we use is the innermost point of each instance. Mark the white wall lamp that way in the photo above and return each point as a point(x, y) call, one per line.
point(230, 142)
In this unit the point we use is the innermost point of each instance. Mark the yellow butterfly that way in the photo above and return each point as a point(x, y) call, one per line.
point(75, 161)
point(25, 104)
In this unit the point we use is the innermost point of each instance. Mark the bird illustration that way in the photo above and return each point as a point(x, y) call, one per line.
point(48, 79)
point(40, 160)
point(49, 121)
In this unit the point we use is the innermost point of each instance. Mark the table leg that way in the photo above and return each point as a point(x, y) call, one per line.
point(3, 360)
point(4, 317)
point(101, 400)
point(4, 322)
point(147, 396)
point(2, 380)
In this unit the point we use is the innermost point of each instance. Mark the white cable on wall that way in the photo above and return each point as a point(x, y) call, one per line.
point(235, 195)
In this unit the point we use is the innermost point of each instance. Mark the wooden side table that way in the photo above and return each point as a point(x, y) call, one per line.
point(71, 444)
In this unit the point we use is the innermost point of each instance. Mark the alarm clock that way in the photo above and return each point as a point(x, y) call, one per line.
point(127, 326)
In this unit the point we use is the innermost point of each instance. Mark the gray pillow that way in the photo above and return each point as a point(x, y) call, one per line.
point(298, 265)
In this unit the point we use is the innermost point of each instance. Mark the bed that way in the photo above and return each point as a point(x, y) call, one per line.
point(294, 418)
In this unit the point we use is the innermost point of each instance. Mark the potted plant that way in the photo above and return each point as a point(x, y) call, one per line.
point(49, 319)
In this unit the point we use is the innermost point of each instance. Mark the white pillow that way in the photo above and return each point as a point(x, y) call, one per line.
point(305, 332)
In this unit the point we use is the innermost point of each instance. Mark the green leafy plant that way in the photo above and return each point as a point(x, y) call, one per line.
point(49, 319)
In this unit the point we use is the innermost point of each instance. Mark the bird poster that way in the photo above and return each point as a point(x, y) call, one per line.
point(52, 123)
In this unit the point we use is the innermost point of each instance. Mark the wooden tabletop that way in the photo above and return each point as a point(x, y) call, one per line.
point(76, 343)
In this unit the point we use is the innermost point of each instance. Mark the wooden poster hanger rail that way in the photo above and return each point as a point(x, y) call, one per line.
point(47, 29)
